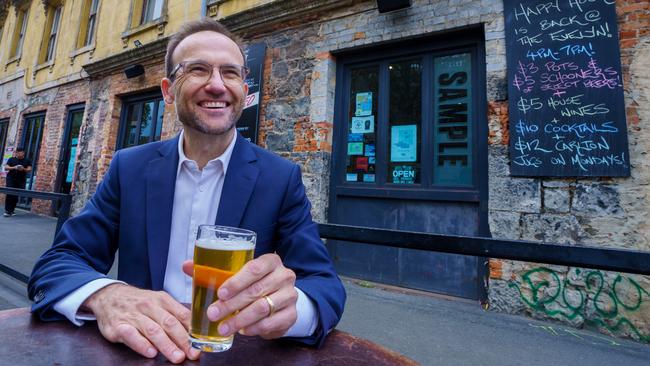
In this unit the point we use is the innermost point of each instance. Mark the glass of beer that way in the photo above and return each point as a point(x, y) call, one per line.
point(219, 252)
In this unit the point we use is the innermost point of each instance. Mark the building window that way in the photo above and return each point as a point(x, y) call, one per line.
point(151, 10)
point(410, 122)
point(88, 23)
point(51, 32)
point(19, 33)
point(141, 121)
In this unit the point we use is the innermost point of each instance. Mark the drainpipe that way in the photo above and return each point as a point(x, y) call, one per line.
point(204, 8)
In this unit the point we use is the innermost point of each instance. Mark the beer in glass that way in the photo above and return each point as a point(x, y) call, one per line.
point(219, 253)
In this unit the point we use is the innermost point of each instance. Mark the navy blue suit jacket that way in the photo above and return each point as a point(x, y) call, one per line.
point(132, 211)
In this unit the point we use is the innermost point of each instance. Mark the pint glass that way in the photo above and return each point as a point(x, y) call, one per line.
point(219, 253)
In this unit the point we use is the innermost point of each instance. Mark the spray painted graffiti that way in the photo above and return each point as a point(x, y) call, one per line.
point(599, 304)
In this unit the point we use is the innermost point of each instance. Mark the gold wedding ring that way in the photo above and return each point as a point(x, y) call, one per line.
point(271, 305)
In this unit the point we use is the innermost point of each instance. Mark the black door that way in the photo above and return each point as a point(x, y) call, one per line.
point(68, 154)
point(31, 141)
point(410, 153)
point(4, 127)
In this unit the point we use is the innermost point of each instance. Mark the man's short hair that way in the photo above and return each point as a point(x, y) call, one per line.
point(20, 149)
point(205, 24)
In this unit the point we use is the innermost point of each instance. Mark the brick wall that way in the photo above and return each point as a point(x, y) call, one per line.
point(102, 122)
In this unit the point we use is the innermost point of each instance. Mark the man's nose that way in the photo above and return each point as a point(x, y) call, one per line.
point(215, 82)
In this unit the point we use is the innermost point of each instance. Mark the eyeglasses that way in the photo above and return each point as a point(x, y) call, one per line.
point(202, 72)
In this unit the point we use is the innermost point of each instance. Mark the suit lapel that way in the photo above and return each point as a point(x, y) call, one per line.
point(238, 184)
point(161, 182)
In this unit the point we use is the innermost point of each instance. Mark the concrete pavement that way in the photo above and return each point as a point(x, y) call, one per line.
point(430, 329)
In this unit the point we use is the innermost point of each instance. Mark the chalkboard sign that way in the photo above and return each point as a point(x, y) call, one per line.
point(565, 89)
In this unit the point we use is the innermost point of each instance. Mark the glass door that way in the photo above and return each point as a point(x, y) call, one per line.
point(31, 141)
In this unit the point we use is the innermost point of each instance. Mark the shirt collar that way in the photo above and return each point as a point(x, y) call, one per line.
point(224, 158)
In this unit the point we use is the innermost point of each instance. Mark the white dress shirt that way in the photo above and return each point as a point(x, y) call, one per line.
point(196, 201)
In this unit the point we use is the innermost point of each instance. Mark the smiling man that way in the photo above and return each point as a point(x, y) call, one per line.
point(151, 202)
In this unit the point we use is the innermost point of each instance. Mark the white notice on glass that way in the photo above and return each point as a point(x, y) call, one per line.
point(363, 124)
point(403, 143)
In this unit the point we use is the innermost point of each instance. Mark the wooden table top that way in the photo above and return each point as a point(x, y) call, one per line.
point(25, 340)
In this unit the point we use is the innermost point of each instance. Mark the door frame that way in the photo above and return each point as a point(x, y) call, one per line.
point(26, 202)
point(64, 152)
point(467, 38)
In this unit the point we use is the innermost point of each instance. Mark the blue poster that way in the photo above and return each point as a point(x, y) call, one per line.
point(355, 137)
point(364, 104)
point(73, 158)
point(403, 143)
point(355, 148)
point(370, 150)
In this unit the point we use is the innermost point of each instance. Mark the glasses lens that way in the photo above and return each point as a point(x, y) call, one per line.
point(198, 70)
point(231, 73)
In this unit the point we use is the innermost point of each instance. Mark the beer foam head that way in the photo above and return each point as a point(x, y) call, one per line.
point(224, 244)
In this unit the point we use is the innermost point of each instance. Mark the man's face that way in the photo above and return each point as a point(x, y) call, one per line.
point(20, 154)
point(211, 107)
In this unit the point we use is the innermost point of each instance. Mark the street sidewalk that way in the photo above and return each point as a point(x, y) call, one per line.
point(430, 329)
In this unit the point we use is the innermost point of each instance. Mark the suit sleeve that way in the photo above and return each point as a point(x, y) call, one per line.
point(302, 250)
point(83, 250)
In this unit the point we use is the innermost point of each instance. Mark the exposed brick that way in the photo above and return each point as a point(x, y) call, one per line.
point(496, 269)
point(628, 34)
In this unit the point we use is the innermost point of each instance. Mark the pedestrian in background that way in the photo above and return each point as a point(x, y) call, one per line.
point(17, 168)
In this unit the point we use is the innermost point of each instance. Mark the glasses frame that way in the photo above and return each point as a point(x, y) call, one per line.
point(181, 66)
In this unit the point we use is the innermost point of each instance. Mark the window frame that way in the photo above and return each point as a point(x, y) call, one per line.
point(20, 28)
point(52, 32)
point(139, 99)
point(91, 23)
point(469, 41)
point(150, 5)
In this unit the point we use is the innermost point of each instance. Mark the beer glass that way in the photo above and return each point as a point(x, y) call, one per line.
point(219, 252)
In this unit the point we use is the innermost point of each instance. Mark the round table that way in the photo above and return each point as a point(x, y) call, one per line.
point(29, 341)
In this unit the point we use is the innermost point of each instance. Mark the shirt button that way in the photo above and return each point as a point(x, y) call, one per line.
point(200, 188)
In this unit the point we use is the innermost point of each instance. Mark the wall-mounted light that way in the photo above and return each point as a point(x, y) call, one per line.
point(137, 43)
point(133, 71)
point(385, 6)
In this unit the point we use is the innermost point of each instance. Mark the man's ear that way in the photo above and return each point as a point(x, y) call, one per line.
point(245, 89)
point(167, 91)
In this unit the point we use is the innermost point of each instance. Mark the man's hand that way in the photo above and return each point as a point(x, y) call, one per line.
point(146, 321)
point(245, 291)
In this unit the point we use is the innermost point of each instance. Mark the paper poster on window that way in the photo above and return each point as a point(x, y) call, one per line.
point(369, 178)
point(362, 163)
point(364, 104)
point(363, 124)
point(403, 174)
point(8, 153)
point(351, 177)
point(355, 148)
point(73, 157)
point(371, 160)
point(403, 143)
point(355, 137)
point(370, 150)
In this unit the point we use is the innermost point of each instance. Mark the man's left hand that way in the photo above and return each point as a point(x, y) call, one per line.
point(245, 292)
